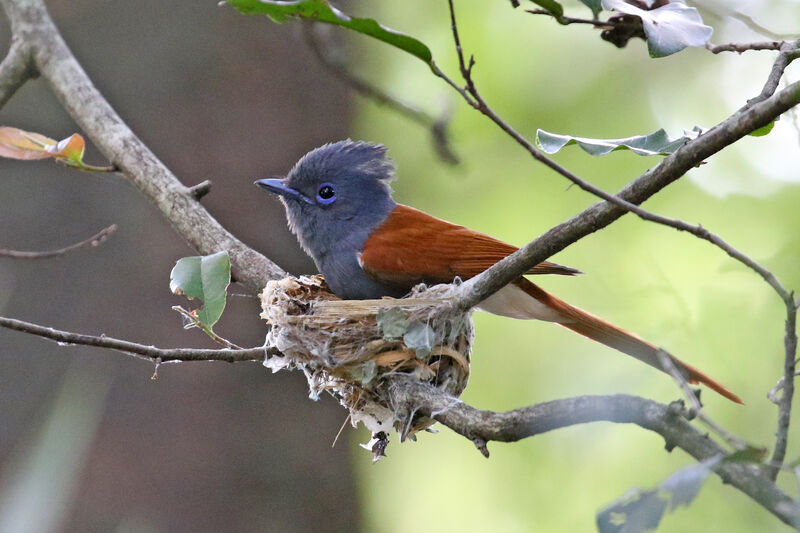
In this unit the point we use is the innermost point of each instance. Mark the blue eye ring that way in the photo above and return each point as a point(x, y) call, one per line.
point(326, 194)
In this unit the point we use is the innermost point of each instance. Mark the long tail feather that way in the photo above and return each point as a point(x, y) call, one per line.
point(606, 333)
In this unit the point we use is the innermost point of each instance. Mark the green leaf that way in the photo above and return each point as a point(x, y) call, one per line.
point(392, 322)
point(365, 372)
point(322, 11)
point(669, 28)
point(636, 511)
point(749, 454)
point(682, 486)
point(552, 6)
point(594, 5)
point(656, 143)
point(205, 278)
point(420, 337)
point(642, 510)
point(763, 130)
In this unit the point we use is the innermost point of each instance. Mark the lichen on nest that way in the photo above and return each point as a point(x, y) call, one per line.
point(351, 348)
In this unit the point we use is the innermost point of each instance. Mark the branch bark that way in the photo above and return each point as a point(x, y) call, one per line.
point(16, 68)
point(740, 48)
point(789, 51)
point(785, 402)
point(31, 24)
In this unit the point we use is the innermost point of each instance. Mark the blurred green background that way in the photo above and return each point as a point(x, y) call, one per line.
point(231, 448)
point(671, 288)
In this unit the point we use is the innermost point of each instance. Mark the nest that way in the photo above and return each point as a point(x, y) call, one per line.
point(351, 348)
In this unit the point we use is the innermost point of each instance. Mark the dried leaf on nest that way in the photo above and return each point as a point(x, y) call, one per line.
point(349, 348)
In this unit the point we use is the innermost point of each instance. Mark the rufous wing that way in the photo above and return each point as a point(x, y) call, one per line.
point(413, 247)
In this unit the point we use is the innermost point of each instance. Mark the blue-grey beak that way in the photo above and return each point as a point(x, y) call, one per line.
point(278, 186)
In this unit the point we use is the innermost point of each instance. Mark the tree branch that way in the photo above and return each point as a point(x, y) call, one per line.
point(668, 421)
point(789, 51)
point(565, 20)
point(95, 240)
point(15, 70)
point(744, 47)
point(32, 26)
point(695, 410)
point(702, 233)
point(201, 189)
point(785, 402)
point(151, 353)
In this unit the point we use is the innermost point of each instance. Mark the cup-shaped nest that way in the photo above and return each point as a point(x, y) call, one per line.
point(352, 348)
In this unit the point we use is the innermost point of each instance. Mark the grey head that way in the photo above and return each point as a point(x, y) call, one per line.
point(335, 196)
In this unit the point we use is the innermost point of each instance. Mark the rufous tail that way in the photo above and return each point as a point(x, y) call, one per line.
point(606, 333)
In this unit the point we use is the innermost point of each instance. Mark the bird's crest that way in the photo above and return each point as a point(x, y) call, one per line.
point(356, 159)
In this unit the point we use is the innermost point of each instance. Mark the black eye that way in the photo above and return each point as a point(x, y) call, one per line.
point(326, 194)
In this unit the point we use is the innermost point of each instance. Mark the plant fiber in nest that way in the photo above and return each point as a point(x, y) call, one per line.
point(352, 348)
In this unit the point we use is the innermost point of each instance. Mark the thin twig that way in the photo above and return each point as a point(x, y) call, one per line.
point(789, 51)
point(668, 365)
point(86, 168)
point(744, 47)
point(696, 409)
point(702, 233)
point(92, 242)
point(151, 353)
point(772, 395)
point(785, 403)
point(565, 20)
point(331, 58)
point(465, 71)
point(193, 322)
point(201, 189)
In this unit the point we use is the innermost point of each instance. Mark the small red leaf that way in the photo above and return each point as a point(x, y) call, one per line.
point(70, 148)
point(19, 144)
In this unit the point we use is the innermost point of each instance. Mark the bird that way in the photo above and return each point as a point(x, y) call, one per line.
point(338, 202)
